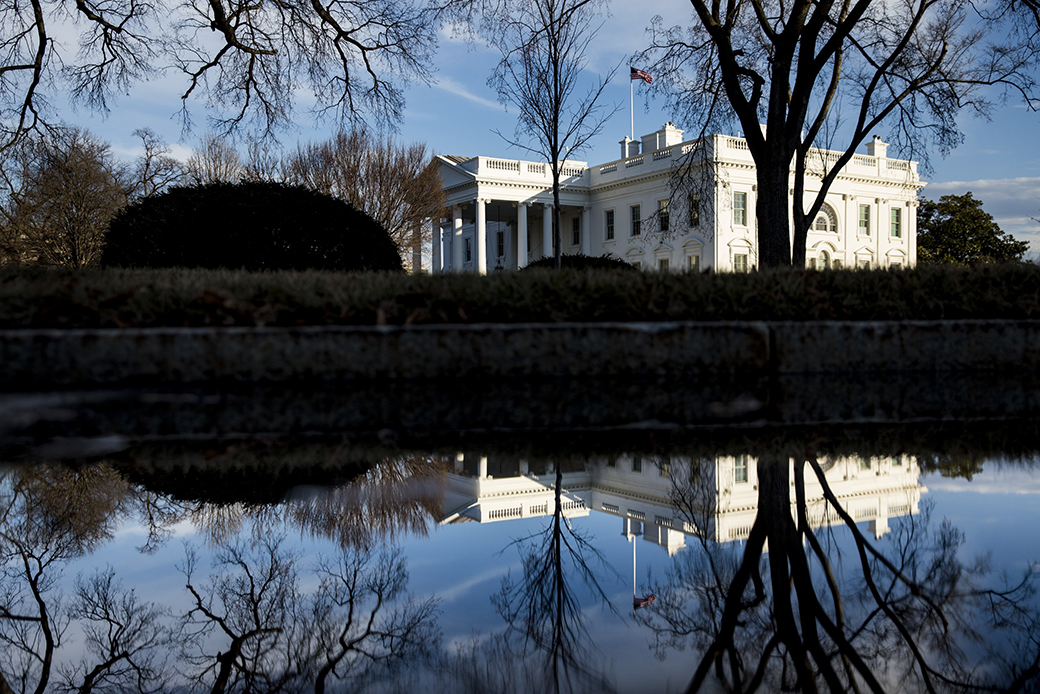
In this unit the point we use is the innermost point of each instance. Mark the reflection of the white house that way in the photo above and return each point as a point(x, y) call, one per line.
point(721, 493)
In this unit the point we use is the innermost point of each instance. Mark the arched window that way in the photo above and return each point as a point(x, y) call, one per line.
point(825, 260)
point(826, 220)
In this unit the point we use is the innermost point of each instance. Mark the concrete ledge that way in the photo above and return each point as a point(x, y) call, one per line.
point(59, 358)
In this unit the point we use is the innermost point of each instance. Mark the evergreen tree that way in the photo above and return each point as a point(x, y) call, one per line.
point(957, 231)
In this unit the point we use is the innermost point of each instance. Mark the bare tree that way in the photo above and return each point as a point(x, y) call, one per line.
point(544, 45)
point(64, 189)
point(126, 640)
point(249, 60)
point(155, 170)
point(215, 160)
point(810, 72)
point(397, 185)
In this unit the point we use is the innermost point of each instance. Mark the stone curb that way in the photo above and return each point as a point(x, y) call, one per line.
point(149, 356)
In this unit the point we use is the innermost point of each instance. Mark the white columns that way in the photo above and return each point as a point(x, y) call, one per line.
point(480, 231)
point(438, 234)
point(456, 241)
point(547, 235)
point(521, 235)
point(586, 230)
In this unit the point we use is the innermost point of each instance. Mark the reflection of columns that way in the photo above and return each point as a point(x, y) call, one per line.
point(438, 232)
point(482, 471)
point(525, 468)
point(480, 230)
point(521, 235)
point(456, 241)
point(547, 235)
point(586, 230)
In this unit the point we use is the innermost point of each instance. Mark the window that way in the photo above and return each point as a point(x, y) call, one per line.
point(635, 220)
point(662, 215)
point(469, 250)
point(821, 223)
point(864, 220)
point(862, 263)
point(608, 225)
point(811, 263)
point(576, 231)
point(662, 264)
point(836, 265)
point(694, 207)
point(896, 461)
point(897, 222)
point(693, 263)
point(740, 209)
point(500, 242)
point(740, 262)
point(666, 466)
point(825, 260)
point(740, 469)
point(637, 463)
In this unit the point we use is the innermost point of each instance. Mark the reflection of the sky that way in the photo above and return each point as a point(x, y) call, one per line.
point(463, 565)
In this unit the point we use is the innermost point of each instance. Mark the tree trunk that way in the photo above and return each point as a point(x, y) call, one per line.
point(772, 212)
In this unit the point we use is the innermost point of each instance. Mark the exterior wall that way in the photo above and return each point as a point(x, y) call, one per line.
point(724, 239)
point(722, 492)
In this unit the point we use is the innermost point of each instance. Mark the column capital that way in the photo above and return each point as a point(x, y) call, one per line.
point(586, 208)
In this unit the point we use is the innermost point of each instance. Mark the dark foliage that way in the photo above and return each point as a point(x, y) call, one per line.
point(580, 261)
point(251, 225)
point(957, 231)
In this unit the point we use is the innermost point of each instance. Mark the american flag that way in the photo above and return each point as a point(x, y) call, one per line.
point(638, 74)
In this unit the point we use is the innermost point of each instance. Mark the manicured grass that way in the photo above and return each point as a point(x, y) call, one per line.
point(38, 298)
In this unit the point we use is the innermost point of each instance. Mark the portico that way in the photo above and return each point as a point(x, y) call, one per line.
point(501, 214)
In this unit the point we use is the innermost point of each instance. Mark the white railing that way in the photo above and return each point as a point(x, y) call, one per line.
point(897, 164)
point(572, 171)
point(503, 165)
point(661, 520)
point(540, 509)
point(608, 168)
point(611, 508)
point(662, 154)
point(571, 505)
point(536, 168)
point(740, 533)
point(634, 162)
point(736, 143)
point(637, 514)
point(500, 513)
point(864, 160)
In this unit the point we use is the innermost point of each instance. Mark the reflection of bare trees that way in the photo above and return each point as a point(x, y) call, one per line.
point(250, 628)
point(249, 625)
point(904, 613)
point(542, 607)
point(125, 639)
point(391, 498)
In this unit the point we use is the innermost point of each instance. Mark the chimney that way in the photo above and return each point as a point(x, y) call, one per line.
point(877, 148)
point(629, 147)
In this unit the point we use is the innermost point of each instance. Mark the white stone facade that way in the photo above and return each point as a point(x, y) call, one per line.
point(639, 208)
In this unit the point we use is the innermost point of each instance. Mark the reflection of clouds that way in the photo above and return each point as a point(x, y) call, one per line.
point(992, 480)
point(460, 590)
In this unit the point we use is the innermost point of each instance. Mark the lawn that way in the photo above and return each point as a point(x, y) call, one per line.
point(115, 298)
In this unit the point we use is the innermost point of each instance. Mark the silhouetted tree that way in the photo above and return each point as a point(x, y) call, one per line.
point(956, 231)
point(396, 185)
point(543, 45)
point(251, 225)
point(811, 72)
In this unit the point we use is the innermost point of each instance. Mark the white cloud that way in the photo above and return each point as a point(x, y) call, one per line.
point(452, 87)
point(1013, 202)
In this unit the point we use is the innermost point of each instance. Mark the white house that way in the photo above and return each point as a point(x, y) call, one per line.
point(721, 493)
point(651, 210)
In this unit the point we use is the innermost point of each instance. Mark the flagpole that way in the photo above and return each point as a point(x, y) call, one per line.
point(631, 103)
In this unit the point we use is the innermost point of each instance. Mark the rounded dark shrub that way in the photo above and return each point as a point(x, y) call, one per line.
point(255, 226)
point(579, 261)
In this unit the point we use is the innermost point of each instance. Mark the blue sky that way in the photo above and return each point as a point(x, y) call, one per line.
point(999, 160)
